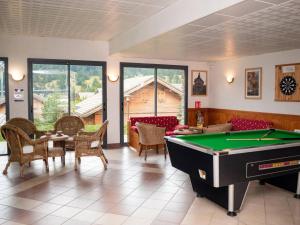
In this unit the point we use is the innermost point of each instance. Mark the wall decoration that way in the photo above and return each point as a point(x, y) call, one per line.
point(287, 82)
point(18, 94)
point(199, 82)
point(253, 83)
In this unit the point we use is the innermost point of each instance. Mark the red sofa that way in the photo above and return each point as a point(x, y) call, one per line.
point(171, 123)
point(249, 124)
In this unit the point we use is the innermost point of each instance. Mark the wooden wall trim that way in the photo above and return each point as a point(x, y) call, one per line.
point(280, 121)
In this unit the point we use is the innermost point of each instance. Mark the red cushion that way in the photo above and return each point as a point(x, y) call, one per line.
point(247, 124)
point(169, 122)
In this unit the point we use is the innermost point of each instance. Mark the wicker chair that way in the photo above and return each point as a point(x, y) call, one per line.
point(89, 144)
point(23, 149)
point(27, 126)
point(69, 125)
point(151, 136)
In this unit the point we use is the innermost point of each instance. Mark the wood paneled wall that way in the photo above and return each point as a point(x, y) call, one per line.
point(215, 116)
point(192, 116)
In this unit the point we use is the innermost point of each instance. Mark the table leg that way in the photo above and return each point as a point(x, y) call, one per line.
point(231, 211)
point(297, 195)
point(64, 156)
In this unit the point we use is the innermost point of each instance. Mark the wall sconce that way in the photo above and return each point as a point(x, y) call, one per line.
point(17, 75)
point(113, 77)
point(230, 79)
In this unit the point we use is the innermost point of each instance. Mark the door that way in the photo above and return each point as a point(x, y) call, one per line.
point(151, 90)
point(4, 101)
point(67, 87)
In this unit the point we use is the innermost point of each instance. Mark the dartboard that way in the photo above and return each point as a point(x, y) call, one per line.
point(288, 85)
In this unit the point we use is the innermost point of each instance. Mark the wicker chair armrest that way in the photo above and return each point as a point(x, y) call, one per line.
point(85, 138)
point(38, 141)
point(86, 133)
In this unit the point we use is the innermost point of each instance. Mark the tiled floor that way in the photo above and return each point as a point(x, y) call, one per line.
point(130, 192)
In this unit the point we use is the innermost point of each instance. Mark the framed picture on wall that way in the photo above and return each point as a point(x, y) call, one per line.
point(253, 83)
point(199, 82)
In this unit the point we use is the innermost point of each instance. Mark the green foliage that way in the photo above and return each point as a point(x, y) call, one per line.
point(85, 78)
point(52, 108)
point(91, 127)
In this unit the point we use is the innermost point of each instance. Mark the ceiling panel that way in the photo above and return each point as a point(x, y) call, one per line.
point(79, 19)
point(267, 29)
point(244, 8)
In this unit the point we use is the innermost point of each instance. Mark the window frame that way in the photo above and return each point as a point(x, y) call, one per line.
point(155, 67)
point(68, 63)
point(6, 84)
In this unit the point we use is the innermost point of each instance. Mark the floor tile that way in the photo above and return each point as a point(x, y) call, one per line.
point(46, 208)
point(76, 222)
point(61, 200)
point(137, 221)
point(111, 219)
point(21, 203)
point(146, 213)
point(12, 223)
point(80, 203)
point(88, 216)
point(51, 220)
point(66, 212)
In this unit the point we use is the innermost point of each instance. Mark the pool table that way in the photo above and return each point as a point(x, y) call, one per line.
point(220, 165)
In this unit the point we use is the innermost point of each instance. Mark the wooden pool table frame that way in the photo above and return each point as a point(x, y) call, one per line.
point(228, 172)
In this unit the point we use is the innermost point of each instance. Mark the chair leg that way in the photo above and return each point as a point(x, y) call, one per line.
point(165, 151)
point(102, 153)
point(146, 150)
point(105, 158)
point(46, 165)
point(22, 170)
point(79, 160)
point(141, 149)
point(29, 164)
point(103, 161)
point(63, 160)
point(6, 167)
point(156, 147)
point(53, 158)
point(76, 158)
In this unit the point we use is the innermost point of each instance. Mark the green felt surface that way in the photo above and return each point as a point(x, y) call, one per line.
point(219, 142)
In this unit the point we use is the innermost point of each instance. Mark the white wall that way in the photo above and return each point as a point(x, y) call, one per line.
point(18, 49)
point(231, 96)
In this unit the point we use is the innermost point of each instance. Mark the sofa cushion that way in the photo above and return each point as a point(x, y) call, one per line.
point(248, 124)
point(169, 122)
point(225, 127)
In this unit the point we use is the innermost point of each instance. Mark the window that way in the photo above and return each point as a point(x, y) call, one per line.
point(4, 103)
point(67, 87)
point(152, 90)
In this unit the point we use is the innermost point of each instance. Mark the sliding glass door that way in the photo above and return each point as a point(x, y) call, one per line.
point(152, 90)
point(171, 93)
point(4, 104)
point(50, 94)
point(67, 87)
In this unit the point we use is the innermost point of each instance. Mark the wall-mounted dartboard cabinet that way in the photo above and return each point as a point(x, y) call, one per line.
point(287, 82)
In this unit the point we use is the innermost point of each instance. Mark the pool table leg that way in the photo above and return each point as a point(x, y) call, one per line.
point(297, 195)
point(231, 211)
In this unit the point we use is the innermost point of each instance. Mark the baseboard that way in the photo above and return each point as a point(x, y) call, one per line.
point(114, 145)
